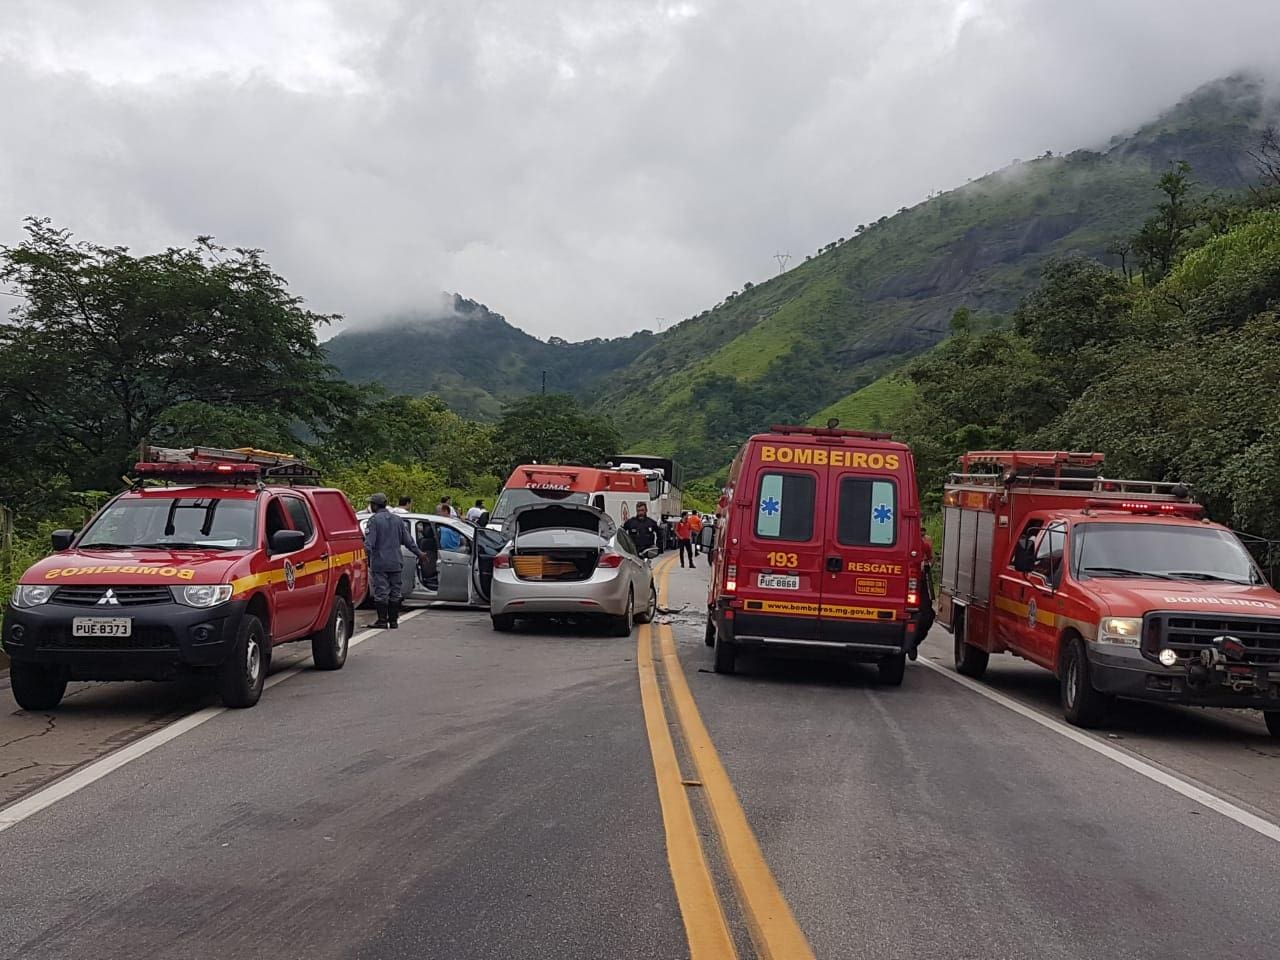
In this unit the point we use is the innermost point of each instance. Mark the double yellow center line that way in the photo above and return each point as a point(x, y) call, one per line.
point(775, 934)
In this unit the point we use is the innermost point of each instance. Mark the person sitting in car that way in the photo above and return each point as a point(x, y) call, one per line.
point(450, 539)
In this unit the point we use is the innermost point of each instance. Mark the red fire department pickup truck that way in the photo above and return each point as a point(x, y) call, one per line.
point(820, 551)
point(1123, 588)
point(209, 560)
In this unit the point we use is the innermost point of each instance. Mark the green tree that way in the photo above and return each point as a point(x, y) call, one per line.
point(103, 344)
point(552, 428)
point(1161, 238)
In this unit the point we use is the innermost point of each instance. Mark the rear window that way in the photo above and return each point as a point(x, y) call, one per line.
point(336, 515)
point(868, 512)
point(785, 506)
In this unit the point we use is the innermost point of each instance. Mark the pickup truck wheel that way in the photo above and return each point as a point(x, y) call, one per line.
point(1082, 705)
point(622, 626)
point(329, 646)
point(726, 659)
point(651, 608)
point(890, 670)
point(503, 622)
point(1273, 722)
point(242, 674)
point(970, 661)
point(36, 686)
point(709, 638)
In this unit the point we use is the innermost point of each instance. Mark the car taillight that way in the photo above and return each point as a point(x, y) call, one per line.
point(731, 578)
point(610, 561)
point(913, 592)
point(502, 561)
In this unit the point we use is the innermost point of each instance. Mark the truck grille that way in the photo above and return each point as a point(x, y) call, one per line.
point(1188, 634)
point(90, 596)
point(143, 638)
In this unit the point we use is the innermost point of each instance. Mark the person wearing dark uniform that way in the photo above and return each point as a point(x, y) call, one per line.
point(384, 535)
point(925, 618)
point(643, 529)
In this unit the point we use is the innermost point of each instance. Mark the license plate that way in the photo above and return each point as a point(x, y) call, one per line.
point(101, 627)
point(778, 581)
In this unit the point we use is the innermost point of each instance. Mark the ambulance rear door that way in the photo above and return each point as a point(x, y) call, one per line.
point(865, 553)
point(780, 556)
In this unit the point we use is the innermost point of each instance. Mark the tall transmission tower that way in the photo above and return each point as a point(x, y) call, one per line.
point(782, 259)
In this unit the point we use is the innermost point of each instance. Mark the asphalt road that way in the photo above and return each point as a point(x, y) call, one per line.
point(456, 793)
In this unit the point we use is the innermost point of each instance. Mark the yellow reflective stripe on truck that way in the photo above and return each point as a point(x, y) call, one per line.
point(242, 585)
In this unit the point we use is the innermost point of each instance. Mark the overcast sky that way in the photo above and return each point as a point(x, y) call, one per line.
point(582, 166)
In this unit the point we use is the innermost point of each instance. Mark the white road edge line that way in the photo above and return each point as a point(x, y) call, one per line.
point(1203, 797)
point(97, 769)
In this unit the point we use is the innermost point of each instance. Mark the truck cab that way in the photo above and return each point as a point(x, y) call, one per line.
point(1122, 588)
point(614, 492)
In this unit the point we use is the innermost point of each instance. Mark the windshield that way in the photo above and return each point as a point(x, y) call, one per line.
point(513, 497)
point(1161, 552)
point(174, 523)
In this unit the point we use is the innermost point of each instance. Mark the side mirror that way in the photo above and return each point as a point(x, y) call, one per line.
point(288, 541)
point(1024, 555)
point(62, 539)
point(650, 553)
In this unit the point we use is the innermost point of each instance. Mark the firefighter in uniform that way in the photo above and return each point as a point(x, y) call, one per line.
point(384, 535)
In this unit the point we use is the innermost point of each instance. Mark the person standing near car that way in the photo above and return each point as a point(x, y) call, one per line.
point(642, 528)
point(695, 532)
point(384, 535)
point(684, 533)
point(476, 512)
point(406, 505)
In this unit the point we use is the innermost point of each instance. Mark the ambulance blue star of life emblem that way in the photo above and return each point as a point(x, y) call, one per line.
point(882, 513)
point(770, 506)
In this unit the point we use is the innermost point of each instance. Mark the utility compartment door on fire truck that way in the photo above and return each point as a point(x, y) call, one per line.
point(780, 560)
point(864, 566)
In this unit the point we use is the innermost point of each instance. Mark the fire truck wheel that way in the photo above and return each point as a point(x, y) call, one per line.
point(1273, 722)
point(242, 674)
point(726, 657)
point(970, 661)
point(709, 638)
point(36, 686)
point(889, 671)
point(1082, 705)
point(329, 646)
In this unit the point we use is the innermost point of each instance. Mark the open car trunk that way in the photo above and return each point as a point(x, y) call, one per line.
point(557, 542)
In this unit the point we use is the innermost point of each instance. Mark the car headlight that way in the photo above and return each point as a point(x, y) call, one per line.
point(31, 595)
point(203, 595)
point(1126, 631)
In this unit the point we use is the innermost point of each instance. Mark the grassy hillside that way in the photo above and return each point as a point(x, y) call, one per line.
point(475, 359)
point(786, 349)
point(877, 406)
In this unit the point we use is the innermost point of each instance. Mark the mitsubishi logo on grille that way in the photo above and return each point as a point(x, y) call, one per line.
point(108, 598)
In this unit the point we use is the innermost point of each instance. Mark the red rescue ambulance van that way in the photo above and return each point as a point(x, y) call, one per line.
point(1123, 588)
point(209, 560)
point(819, 551)
point(615, 492)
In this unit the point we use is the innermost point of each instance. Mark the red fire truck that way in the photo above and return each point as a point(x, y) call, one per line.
point(209, 560)
point(1123, 588)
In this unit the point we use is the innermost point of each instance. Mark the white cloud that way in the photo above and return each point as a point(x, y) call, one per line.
point(583, 166)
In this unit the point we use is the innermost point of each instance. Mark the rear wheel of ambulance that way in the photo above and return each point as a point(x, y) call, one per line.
point(36, 686)
point(329, 646)
point(891, 670)
point(726, 656)
point(1082, 705)
point(242, 674)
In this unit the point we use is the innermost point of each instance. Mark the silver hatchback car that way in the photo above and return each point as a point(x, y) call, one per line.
point(566, 559)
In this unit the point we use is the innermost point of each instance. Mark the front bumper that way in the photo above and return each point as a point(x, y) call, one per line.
point(603, 593)
point(166, 639)
point(1125, 672)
